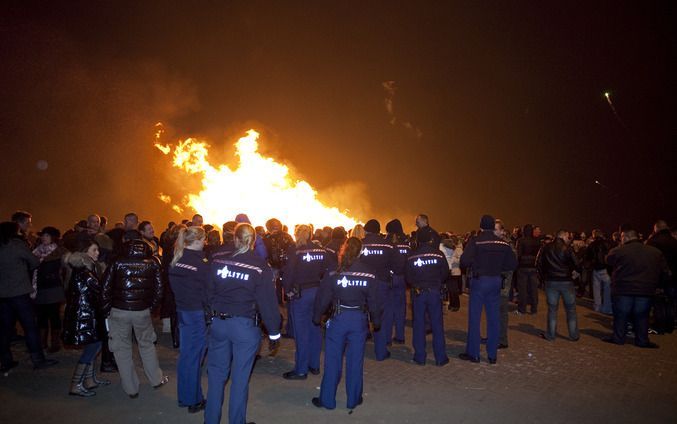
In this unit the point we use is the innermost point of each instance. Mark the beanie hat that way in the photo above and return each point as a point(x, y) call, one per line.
point(372, 226)
point(487, 222)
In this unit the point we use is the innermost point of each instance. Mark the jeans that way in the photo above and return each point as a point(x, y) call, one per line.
point(636, 307)
point(21, 308)
point(193, 343)
point(485, 293)
point(233, 344)
point(89, 353)
point(553, 291)
point(346, 333)
point(601, 291)
point(527, 285)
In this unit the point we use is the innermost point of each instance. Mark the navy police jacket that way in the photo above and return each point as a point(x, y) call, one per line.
point(353, 287)
point(427, 267)
point(381, 256)
point(241, 284)
point(305, 266)
point(188, 279)
point(403, 247)
point(487, 255)
point(333, 249)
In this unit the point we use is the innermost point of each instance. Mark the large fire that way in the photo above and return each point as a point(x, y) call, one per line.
point(260, 187)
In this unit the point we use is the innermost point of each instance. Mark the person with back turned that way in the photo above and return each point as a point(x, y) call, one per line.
point(352, 289)
point(485, 257)
point(427, 271)
point(239, 285)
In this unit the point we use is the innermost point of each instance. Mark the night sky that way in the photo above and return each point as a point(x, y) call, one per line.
point(497, 108)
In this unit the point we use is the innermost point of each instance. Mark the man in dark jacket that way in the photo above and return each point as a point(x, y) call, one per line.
point(16, 267)
point(132, 288)
point(663, 240)
point(556, 262)
point(527, 276)
point(638, 270)
point(595, 255)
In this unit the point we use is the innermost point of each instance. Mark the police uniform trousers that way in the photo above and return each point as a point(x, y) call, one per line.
point(233, 344)
point(428, 301)
point(485, 293)
point(383, 336)
point(345, 332)
point(308, 336)
point(193, 343)
point(399, 306)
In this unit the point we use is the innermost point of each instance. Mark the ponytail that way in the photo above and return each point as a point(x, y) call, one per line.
point(244, 238)
point(350, 252)
point(186, 237)
point(302, 235)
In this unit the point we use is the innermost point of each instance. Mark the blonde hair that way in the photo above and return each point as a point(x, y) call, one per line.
point(302, 235)
point(358, 231)
point(186, 237)
point(244, 238)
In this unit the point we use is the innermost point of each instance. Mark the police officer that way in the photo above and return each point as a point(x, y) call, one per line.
point(396, 237)
point(305, 268)
point(485, 257)
point(238, 284)
point(427, 270)
point(352, 289)
point(384, 261)
point(338, 237)
point(188, 276)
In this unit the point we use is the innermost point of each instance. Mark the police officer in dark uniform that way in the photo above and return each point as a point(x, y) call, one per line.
point(384, 261)
point(338, 237)
point(485, 257)
point(351, 289)
point(396, 237)
point(302, 274)
point(427, 271)
point(239, 285)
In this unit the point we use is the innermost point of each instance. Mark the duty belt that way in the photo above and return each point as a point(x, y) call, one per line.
point(338, 308)
point(421, 290)
point(225, 316)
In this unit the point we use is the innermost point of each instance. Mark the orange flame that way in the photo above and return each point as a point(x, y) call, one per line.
point(260, 187)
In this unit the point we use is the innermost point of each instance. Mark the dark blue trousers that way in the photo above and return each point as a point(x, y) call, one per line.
point(21, 308)
point(399, 305)
point(485, 293)
point(431, 303)
point(308, 336)
point(345, 332)
point(382, 337)
point(233, 344)
point(193, 342)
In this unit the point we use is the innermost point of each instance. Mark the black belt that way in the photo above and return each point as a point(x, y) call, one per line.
point(343, 308)
point(225, 316)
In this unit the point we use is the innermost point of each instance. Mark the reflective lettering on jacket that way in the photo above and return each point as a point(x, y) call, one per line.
point(374, 249)
point(237, 270)
point(425, 259)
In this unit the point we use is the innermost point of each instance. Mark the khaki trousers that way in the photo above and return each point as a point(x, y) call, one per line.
point(120, 324)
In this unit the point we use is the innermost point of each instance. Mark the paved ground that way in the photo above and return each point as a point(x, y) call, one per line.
point(534, 382)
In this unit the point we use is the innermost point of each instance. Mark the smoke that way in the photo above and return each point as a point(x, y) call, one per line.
point(389, 101)
point(89, 117)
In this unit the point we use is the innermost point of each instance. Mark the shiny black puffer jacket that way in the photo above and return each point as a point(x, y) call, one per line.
point(133, 282)
point(83, 312)
point(556, 261)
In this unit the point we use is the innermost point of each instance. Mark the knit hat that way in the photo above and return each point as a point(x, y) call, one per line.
point(487, 222)
point(372, 226)
point(53, 232)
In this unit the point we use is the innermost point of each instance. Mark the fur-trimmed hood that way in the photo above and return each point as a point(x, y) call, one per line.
point(79, 260)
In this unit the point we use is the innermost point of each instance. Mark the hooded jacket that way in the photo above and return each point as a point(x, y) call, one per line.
point(133, 282)
point(83, 314)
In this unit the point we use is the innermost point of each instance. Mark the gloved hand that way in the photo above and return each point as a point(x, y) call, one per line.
point(273, 346)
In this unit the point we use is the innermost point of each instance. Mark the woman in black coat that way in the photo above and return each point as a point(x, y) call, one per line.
point(83, 317)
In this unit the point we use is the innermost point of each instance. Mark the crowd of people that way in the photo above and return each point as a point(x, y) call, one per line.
point(218, 290)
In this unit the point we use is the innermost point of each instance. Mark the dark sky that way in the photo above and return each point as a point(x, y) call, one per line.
point(497, 108)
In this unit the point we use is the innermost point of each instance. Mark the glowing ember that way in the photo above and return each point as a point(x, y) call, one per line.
point(259, 187)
